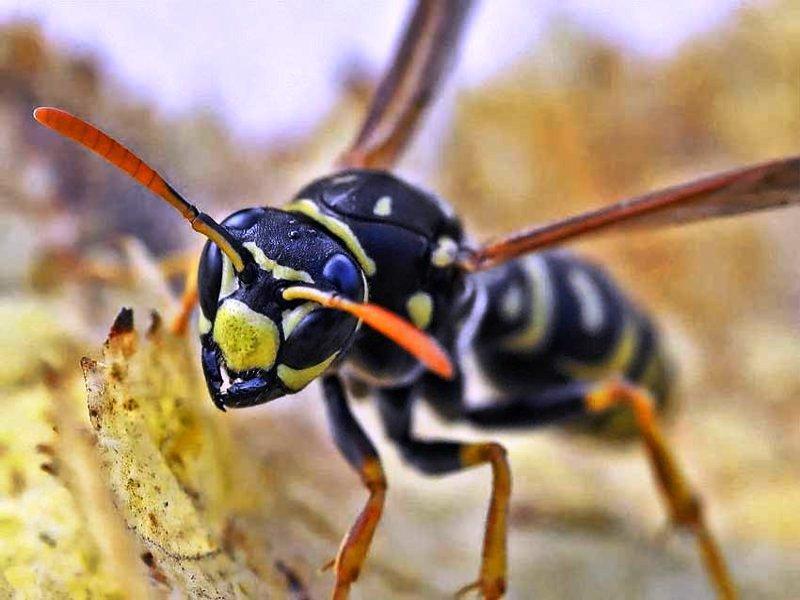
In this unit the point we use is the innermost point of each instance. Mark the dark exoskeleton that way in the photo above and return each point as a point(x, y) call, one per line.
point(367, 279)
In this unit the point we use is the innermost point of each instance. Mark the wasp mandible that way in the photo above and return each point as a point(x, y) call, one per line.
point(363, 275)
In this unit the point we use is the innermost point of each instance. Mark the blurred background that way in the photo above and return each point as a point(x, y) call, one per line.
point(554, 107)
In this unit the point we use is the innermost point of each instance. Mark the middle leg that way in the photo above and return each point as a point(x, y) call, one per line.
point(444, 456)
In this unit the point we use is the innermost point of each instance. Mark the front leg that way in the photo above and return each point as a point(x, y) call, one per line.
point(441, 457)
point(356, 447)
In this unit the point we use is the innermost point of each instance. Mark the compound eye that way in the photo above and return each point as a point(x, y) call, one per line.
point(344, 275)
point(243, 219)
point(209, 279)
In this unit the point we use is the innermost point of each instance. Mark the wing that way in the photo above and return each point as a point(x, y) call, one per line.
point(425, 51)
point(760, 187)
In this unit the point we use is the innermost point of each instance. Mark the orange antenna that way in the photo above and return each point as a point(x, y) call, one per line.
point(422, 346)
point(106, 147)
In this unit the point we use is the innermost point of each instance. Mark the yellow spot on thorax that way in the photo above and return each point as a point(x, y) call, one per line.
point(338, 228)
point(297, 379)
point(419, 307)
point(278, 271)
point(383, 207)
point(445, 252)
point(248, 339)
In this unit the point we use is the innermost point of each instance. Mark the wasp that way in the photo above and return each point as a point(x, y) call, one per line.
point(365, 276)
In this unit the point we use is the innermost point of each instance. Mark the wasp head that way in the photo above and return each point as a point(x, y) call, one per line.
point(257, 345)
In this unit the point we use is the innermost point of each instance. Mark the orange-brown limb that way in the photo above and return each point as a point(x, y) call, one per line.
point(180, 322)
point(440, 457)
point(491, 582)
point(355, 545)
point(360, 453)
point(682, 501)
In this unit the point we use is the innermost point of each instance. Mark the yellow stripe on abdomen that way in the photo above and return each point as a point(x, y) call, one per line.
point(615, 362)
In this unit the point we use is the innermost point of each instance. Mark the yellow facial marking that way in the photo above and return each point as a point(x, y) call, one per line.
point(297, 379)
point(203, 324)
point(383, 207)
point(615, 362)
point(337, 228)
point(248, 339)
point(445, 252)
point(229, 283)
point(292, 317)
point(419, 307)
point(542, 305)
point(278, 271)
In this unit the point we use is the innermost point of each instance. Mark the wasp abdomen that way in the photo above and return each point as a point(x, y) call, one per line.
point(553, 318)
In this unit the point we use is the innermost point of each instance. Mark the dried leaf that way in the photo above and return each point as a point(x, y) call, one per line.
point(167, 460)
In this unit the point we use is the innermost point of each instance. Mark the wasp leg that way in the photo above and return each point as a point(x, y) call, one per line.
point(362, 456)
point(180, 322)
point(543, 408)
point(575, 399)
point(438, 457)
point(682, 501)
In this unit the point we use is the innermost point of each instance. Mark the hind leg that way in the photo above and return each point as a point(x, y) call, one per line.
point(576, 399)
point(682, 501)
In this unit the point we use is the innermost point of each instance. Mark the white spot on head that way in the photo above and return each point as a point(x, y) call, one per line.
point(383, 207)
point(589, 298)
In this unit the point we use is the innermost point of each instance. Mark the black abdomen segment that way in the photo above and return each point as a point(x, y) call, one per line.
point(553, 318)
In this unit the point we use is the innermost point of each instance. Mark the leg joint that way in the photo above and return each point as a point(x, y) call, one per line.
point(373, 476)
point(475, 454)
point(689, 512)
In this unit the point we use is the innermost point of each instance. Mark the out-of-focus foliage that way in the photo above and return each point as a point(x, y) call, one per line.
point(82, 501)
point(59, 533)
